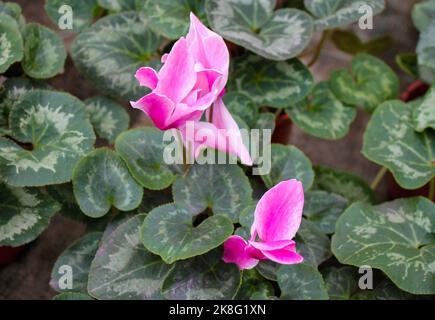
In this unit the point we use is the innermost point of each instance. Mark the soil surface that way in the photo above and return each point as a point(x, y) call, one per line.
point(28, 277)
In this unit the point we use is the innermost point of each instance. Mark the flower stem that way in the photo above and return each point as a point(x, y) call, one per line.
point(379, 176)
point(432, 189)
point(318, 50)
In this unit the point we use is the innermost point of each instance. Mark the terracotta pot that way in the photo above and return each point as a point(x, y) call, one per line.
point(416, 90)
point(9, 254)
point(283, 128)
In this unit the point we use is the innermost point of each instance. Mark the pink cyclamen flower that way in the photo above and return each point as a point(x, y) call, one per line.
point(191, 80)
point(277, 218)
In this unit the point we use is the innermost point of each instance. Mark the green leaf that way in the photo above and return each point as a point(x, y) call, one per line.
point(240, 104)
point(100, 180)
point(370, 83)
point(341, 283)
point(25, 214)
point(288, 162)
point(142, 149)
point(426, 54)
point(11, 43)
point(301, 282)
point(118, 5)
point(256, 26)
point(254, 286)
point(78, 257)
point(44, 53)
point(205, 277)
point(424, 113)
point(349, 42)
point(170, 18)
point(423, 14)
point(322, 115)
point(271, 83)
point(268, 269)
point(108, 117)
point(396, 237)
point(111, 50)
point(168, 231)
point(124, 269)
point(84, 12)
point(72, 296)
point(224, 189)
point(323, 209)
point(56, 126)
point(390, 141)
point(408, 63)
point(343, 183)
point(337, 13)
point(386, 290)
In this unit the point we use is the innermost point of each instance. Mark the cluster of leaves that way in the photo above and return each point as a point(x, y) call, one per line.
point(155, 230)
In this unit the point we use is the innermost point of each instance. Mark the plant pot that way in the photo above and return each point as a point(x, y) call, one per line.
point(415, 90)
point(9, 254)
point(283, 128)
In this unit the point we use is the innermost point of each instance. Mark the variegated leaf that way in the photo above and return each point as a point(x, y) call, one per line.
point(203, 278)
point(111, 50)
point(44, 53)
point(426, 53)
point(24, 214)
point(337, 13)
point(390, 141)
point(72, 296)
point(57, 127)
point(168, 231)
point(370, 83)
point(240, 104)
point(14, 10)
point(11, 43)
point(123, 269)
point(254, 286)
point(253, 24)
point(424, 113)
point(322, 115)
point(78, 257)
point(397, 237)
point(341, 283)
point(119, 5)
point(423, 14)
point(108, 117)
point(271, 83)
point(224, 189)
point(100, 180)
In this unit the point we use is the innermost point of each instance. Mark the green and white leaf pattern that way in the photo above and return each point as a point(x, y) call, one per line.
point(371, 83)
point(118, 5)
point(271, 83)
point(390, 141)
point(341, 283)
point(254, 286)
point(240, 104)
point(60, 133)
point(108, 117)
point(224, 189)
point(424, 113)
point(112, 49)
point(203, 278)
point(72, 296)
point(322, 115)
point(253, 24)
point(168, 231)
point(426, 54)
point(100, 180)
point(396, 237)
point(11, 43)
point(78, 256)
point(44, 53)
point(423, 13)
point(25, 214)
point(123, 269)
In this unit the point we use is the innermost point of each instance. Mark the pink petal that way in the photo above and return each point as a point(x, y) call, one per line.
point(147, 77)
point(158, 107)
point(283, 256)
point(270, 246)
point(164, 57)
point(235, 252)
point(279, 212)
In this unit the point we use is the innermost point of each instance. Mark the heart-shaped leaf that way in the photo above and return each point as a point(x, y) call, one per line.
point(202, 278)
point(424, 113)
point(72, 296)
point(170, 18)
point(100, 180)
point(271, 83)
point(108, 118)
point(396, 237)
point(224, 189)
point(349, 42)
point(343, 183)
point(288, 162)
point(57, 127)
point(370, 83)
point(254, 286)
point(312, 244)
point(426, 54)
point(390, 141)
point(336, 13)
point(78, 257)
point(322, 115)
point(301, 282)
point(124, 269)
point(142, 150)
point(44, 53)
point(25, 213)
point(118, 5)
point(168, 231)
point(253, 24)
point(111, 50)
point(323, 209)
point(11, 43)
point(240, 104)
point(13, 10)
point(423, 14)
